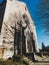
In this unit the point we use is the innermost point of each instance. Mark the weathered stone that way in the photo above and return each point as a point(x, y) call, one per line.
point(16, 13)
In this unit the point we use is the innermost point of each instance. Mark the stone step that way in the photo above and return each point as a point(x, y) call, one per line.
point(39, 58)
point(28, 61)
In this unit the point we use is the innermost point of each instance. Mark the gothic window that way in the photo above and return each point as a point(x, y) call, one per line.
point(25, 8)
point(25, 17)
point(17, 39)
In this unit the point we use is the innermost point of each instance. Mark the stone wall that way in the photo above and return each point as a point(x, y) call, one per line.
point(15, 13)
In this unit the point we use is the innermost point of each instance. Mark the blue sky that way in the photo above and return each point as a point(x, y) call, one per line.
point(1, 1)
point(32, 6)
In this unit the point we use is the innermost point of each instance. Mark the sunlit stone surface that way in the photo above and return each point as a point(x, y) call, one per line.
point(16, 13)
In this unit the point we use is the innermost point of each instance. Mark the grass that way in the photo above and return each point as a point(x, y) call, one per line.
point(18, 60)
point(11, 62)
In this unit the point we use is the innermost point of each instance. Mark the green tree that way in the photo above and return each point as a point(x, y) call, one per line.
point(43, 46)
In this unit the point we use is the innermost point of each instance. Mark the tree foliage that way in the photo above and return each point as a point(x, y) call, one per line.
point(43, 46)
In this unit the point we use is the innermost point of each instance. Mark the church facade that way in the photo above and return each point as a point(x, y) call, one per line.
point(18, 31)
